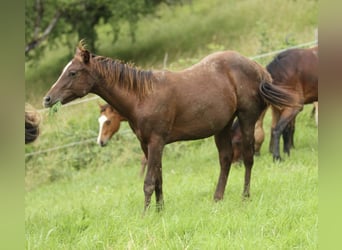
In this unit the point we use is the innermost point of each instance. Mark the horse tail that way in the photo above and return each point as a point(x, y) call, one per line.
point(276, 96)
point(272, 94)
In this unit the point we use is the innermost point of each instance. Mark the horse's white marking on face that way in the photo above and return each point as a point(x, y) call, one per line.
point(102, 120)
point(64, 70)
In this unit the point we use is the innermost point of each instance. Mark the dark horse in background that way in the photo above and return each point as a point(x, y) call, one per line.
point(162, 107)
point(296, 72)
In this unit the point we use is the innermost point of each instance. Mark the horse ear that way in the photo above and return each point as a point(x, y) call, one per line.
point(83, 55)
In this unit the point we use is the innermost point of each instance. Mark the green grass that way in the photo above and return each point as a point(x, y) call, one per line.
point(87, 197)
point(100, 205)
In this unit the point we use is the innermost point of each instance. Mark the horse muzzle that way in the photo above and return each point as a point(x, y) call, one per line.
point(47, 101)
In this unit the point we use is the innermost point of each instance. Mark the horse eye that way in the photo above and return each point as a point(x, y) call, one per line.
point(107, 122)
point(72, 73)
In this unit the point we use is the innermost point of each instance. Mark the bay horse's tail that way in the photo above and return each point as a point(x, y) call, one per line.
point(276, 96)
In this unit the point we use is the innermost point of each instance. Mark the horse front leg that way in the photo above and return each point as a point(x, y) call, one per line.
point(224, 146)
point(143, 160)
point(259, 133)
point(153, 179)
point(275, 118)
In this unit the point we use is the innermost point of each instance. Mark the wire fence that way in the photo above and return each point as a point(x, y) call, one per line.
point(93, 140)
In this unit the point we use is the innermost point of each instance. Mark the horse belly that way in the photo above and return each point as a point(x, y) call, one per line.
point(200, 123)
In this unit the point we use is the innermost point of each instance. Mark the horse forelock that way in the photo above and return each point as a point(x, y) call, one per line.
point(125, 75)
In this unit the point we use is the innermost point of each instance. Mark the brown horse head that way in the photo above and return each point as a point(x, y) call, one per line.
point(75, 81)
point(86, 71)
point(109, 123)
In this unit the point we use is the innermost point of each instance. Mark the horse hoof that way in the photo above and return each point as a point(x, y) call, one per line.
point(217, 198)
point(277, 158)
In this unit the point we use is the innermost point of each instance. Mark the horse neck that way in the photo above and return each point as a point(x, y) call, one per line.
point(121, 85)
point(120, 99)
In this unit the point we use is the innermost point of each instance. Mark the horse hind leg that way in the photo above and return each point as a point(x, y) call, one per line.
point(286, 116)
point(288, 136)
point(224, 146)
point(247, 129)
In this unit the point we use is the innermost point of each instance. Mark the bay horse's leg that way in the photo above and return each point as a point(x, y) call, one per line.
point(247, 129)
point(288, 135)
point(153, 179)
point(224, 146)
point(286, 116)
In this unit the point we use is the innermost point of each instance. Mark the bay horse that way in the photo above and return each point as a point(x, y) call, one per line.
point(109, 124)
point(162, 107)
point(295, 70)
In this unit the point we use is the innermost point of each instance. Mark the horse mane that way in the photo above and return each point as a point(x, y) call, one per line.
point(126, 75)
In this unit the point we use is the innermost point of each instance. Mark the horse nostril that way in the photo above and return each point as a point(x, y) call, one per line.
point(47, 99)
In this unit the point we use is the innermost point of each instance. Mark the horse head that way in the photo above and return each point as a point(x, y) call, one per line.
point(109, 123)
point(75, 81)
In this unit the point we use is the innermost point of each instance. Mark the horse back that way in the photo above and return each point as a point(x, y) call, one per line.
point(297, 71)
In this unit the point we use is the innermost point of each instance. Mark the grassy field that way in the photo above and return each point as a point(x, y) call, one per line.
point(99, 205)
point(87, 197)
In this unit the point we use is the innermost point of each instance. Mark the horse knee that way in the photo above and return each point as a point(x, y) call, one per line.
point(149, 188)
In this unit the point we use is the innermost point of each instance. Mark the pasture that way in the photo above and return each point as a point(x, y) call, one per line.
point(93, 199)
point(82, 196)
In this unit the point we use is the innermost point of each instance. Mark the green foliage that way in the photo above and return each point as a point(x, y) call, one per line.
point(185, 34)
point(79, 17)
point(55, 108)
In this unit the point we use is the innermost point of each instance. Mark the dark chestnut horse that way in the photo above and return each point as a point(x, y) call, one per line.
point(162, 107)
point(109, 124)
point(294, 70)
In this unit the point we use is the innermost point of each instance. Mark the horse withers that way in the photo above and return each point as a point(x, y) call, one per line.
point(162, 107)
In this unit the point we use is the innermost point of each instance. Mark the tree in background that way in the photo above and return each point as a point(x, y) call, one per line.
point(50, 23)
